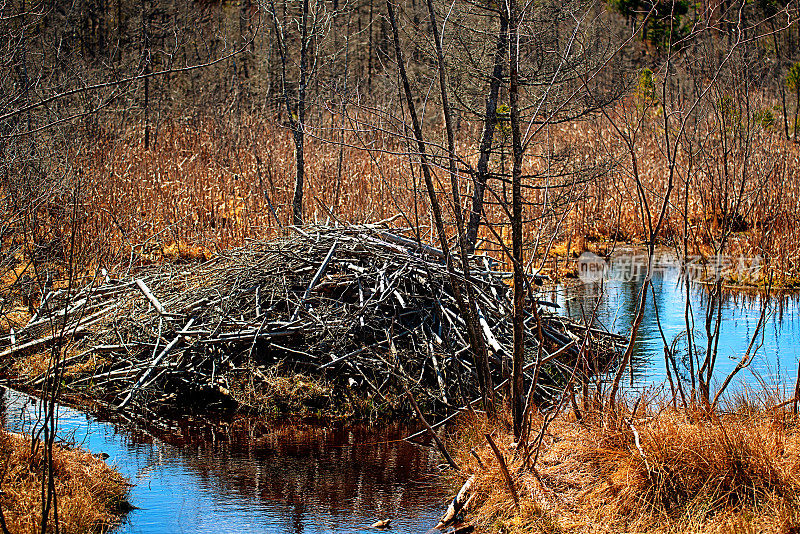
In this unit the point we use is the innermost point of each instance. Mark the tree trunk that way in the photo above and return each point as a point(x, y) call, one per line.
point(796, 109)
point(780, 85)
point(436, 209)
point(297, 199)
point(517, 385)
point(296, 124)
point(489, 124)
point(342, 110)
point(299, 126)
point(478, 343)
point(146, 58)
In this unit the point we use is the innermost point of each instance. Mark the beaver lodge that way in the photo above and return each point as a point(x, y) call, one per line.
point(357, 307)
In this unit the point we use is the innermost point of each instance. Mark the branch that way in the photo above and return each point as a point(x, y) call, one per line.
point(123, 81)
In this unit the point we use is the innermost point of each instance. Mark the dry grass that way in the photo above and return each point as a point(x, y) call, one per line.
point(279, 392)
point(90, 494)
point(210, 184)
point(734, 473)
point(758, 175)
point(31, 365)
point(205, 186)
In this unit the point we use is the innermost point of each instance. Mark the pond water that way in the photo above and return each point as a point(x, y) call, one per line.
point(616, 296)
point(246, 476)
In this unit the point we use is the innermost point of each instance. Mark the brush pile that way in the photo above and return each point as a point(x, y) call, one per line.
point(359, 305)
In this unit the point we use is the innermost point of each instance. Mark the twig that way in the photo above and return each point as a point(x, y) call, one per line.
point(172, 344)
point(504, 469)
point(435, 437)
point(149, 295)
point(455, 506)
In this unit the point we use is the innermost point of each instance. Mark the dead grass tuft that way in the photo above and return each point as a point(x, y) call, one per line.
point(273, 390)
point(91, 495)
point(731, 473)
point(32, 365)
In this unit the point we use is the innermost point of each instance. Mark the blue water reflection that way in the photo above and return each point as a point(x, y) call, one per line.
point(774, 366)
point(252, 477)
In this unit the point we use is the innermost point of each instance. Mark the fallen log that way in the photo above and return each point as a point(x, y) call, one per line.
point(456, 504)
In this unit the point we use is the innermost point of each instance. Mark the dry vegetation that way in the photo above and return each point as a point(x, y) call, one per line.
point(737, 472)
point(283, 394)
point(208, 186)
point(91, 495)
point(102, 176)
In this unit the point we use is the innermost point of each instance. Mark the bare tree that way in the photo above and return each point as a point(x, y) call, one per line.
point(296, 105)
point(467, 307)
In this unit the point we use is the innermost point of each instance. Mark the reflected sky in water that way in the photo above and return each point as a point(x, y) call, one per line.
point(246, 476)
point(775, 364)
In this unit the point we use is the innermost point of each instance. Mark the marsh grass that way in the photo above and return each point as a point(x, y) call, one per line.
point(211, 184)
point(732, 472)
point(91, 495)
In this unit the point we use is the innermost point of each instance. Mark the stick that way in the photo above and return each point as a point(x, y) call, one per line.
point(490, 339)
point(69, 308)
point(153, 364)
point(504, 469)
point(316, 278)
point(430, 430)
point(639, 446)
point(150, 297)
point(456, 504)
point(69, 331)
point(784, 403)
point(410, 243)
point(349, 354)
point(453, 415)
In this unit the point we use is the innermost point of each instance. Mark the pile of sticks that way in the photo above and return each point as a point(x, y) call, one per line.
point(361, 305)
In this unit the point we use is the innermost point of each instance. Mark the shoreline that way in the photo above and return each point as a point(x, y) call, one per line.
point(91, 496)
point(656, 471)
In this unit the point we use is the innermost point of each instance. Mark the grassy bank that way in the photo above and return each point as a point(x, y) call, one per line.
point(91, 495)
point(281, 393)
point(657, 471)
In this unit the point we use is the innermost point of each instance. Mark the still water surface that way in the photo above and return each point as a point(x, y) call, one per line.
point(774, 365)
point(248, 477)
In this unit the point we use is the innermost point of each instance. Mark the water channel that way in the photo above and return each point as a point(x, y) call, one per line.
point(615, 297)
point(256, 478)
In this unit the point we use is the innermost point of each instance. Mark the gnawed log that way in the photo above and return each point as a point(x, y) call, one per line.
point(456, 505)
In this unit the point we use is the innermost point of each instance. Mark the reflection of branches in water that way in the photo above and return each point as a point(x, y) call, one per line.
point(774, 365)
point(306, 474)
point(308, 468)
point(356, 470)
